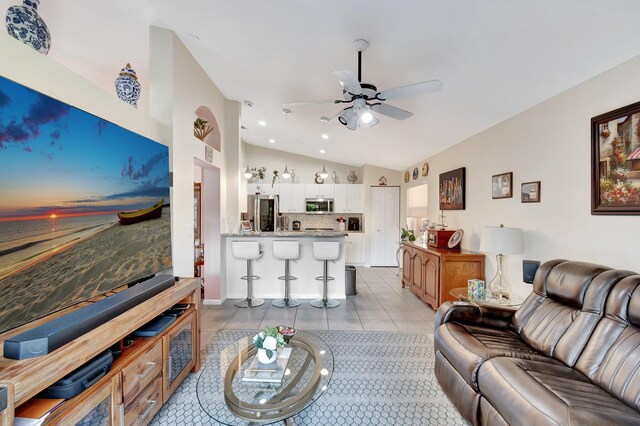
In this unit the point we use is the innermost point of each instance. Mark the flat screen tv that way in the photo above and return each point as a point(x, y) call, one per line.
point(84, 206)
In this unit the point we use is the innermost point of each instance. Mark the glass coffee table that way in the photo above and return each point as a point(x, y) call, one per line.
point(462, 294)
point(230, 401)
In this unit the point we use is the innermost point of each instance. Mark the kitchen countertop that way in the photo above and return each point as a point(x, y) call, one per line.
point(300, 234)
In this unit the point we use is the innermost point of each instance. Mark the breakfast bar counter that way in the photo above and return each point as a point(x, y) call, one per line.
point(268, 268)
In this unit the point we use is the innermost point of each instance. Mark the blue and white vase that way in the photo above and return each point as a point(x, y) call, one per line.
point(127, 86)
point(24, 24)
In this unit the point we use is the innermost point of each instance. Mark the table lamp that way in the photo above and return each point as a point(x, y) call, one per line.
point(500, 240)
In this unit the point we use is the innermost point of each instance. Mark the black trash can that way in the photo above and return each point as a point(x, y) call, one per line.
point(350, 280)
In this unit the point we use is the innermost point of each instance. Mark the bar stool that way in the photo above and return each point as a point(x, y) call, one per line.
point(287, 251)
point(325, 251)
point(249, 251)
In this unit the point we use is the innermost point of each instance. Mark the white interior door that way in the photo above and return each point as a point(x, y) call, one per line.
point(385, 221)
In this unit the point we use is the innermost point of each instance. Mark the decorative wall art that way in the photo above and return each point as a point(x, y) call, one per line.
point(502, 185)
point(406, 176)
point(615, 162)
point(452, 190)
point(530, 192)
point(425, 169)
point(415, 173)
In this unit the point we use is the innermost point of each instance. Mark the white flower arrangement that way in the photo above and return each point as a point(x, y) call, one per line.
point(269, 339)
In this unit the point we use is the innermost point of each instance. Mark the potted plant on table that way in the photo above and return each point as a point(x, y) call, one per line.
point(267, 342)
point(407, 235)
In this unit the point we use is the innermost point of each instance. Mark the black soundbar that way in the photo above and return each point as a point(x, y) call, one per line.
point(48, 337)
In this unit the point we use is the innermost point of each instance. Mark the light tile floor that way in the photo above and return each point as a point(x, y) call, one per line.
point(380, 305)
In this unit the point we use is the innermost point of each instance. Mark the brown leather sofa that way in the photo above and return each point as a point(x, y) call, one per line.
point(569, 356)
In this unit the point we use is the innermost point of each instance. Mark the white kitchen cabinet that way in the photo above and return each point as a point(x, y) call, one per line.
point(318, 191)
point(384, 221)
point(355, 249)
point(292, 198)
point(348, 198)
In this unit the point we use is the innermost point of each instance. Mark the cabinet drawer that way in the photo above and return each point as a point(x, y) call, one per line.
point(137, 375)
point(142, 410)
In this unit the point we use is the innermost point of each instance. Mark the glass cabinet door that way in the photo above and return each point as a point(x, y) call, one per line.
point(180, 360)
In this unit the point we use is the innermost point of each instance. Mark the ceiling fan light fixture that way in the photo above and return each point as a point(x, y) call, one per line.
point(366, 117)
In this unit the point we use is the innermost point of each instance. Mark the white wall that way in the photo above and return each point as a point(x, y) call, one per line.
point(551, 143)
point(305, 167)
point(24, 65)
point(179, 86)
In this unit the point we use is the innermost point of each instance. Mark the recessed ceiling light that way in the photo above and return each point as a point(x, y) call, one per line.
point(262, 123)
point(272, 141)
point(322, 151)
point(324, 136)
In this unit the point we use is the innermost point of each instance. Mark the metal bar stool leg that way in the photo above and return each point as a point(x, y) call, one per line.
point(249, 302)
point(325, 302)
point(287, 302)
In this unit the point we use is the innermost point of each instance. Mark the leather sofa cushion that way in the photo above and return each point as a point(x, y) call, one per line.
point(466, 347)
point(611, 359)
point(527, 392)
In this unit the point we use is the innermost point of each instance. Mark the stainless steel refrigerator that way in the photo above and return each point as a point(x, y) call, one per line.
point(263, 212)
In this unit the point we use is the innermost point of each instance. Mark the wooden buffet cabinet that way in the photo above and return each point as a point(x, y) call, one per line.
point(140, 381)
point(431, 273)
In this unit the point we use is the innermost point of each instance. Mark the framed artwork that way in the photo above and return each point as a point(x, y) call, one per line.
point(502, 185)
point(406, 176)
point(415, 173)
point(530, 192)
point(615, 162)
point(452, 190)
point(245, 226)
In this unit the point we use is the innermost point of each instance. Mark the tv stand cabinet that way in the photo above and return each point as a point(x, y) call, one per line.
point(140, 380)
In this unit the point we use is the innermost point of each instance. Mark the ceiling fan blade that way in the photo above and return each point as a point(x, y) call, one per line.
point(302, 103)
point(410, 90)
point(349, 81)
point(391, 111)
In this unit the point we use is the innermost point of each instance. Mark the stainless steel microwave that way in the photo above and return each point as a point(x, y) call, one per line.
point(318, 205)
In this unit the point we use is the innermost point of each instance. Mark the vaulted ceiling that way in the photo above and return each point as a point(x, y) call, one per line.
point(496, 58)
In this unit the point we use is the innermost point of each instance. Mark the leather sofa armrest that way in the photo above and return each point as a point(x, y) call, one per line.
point(470, 313)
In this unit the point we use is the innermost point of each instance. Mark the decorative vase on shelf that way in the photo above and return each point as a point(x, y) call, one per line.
point(264, 358)
point(24, 24)
point(127, 86)
point(352, 178)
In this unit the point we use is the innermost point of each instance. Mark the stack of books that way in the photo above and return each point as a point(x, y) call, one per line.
point(268, 373)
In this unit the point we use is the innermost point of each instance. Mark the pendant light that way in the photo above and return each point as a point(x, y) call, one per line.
point(247, 173)
point(323, 173)
point(286, 112)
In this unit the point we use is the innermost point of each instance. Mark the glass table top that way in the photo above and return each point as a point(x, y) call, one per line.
point(462, 294)
point(229, 400)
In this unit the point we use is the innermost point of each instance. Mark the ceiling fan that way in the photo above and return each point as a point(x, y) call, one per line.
point(365, 99)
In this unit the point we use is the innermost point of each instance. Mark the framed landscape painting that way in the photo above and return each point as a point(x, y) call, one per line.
point(451, 190)
point(615, 162)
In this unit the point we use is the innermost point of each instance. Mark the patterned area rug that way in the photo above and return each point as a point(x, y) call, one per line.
point(379, 378)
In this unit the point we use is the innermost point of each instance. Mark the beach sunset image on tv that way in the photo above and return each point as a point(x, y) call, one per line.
point(85, 205)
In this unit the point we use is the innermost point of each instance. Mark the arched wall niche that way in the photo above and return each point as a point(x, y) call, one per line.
point(213, 138)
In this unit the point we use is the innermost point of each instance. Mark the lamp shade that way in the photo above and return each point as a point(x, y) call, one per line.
point(501, 240)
